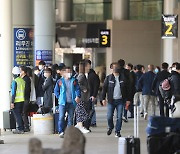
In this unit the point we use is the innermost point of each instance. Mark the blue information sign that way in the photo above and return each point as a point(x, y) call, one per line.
point(23, 46)
point(45, 55)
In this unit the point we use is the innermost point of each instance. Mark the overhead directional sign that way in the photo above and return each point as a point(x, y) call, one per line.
point(169, 26)
point(105, 38)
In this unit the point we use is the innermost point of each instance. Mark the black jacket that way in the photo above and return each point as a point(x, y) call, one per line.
point(27, 87)
point(175, 83)
point(109, 85)
point(41, 79)
point(132, 79)
point(48, 88)
point(127, 79)
point(94, 82)
point(138, 76)
point(161, 76)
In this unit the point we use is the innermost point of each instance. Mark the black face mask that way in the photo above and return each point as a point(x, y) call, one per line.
point(116, 70)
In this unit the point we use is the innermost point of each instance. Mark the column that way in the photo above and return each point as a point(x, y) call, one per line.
point(44, 21)
point(169, 6)
point(63, 10)
point(120, 9)
point(5, 55)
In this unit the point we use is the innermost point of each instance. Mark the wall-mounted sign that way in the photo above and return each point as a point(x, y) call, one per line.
point(169, 26)
point(105, 38)
point(23, 46)
point(45, 55)
point(70, 35)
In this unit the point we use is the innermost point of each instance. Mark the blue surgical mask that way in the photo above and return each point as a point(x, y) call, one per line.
point(156, 70)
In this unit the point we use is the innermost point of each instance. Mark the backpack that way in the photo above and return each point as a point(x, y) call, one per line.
point(165, 89)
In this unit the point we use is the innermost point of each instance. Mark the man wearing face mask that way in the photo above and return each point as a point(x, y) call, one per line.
point(48, 90)
point(67, 91)
point(17, 102)
point(161, 76)
point(94, 84)
point(41, 78)
point(26, 106)
point(75, 70)
point(117, 94)
point(175, 81)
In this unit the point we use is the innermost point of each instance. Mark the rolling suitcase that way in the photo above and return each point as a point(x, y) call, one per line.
point(9, 121)
point(131, 145)
point(56, 119)
point(168, 144)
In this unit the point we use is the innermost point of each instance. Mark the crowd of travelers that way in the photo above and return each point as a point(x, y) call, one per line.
point(78, 89)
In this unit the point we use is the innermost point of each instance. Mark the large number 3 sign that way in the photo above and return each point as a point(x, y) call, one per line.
point(104, 40)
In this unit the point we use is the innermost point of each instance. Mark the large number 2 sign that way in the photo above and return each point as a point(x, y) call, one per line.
point(169, 29)
point(104, 40)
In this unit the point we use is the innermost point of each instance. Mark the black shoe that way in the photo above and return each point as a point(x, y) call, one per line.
point(131, 117)
point(93, 125)
point(18, 131)
point(26, 130)
point(117, 134)
point(109, 132)
point(124, 119)
point(142, 114)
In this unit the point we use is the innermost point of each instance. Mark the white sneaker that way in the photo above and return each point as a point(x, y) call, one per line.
point(84, 130)
point(145, 116)
point(61, 135)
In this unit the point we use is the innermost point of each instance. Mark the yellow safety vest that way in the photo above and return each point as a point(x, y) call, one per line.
point(20, 90)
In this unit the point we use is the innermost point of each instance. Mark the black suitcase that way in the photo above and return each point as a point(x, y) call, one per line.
point(56, 119)
point(167, 144)
point(131, 145)
point(9, 121)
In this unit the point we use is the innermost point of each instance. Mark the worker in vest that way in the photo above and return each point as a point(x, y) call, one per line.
point(17, 92)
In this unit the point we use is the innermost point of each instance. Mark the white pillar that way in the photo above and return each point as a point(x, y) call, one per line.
point(169, 6)
point(63, 10)
point(44, 21)
point(120, 9)
point(5, 55)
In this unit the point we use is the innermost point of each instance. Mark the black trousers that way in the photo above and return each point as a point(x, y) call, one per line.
point(25, 114)
point(17, 111)
point(162, 104)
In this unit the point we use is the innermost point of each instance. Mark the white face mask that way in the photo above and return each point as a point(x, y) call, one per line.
point(68, 75)
point(40, 67)
point(46, 75)
point(86, 74)
point(174, 69)
point(74, 68)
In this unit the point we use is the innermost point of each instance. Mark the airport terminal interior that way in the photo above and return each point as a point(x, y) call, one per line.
point(68, 33)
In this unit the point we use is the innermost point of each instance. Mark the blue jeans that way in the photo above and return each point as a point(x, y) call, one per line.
point(118, 105)
point(69, 108)
point(17, 111)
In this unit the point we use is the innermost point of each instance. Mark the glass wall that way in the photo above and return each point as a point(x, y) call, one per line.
point(100, 10)
point(91, 10)
point(145, 9)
